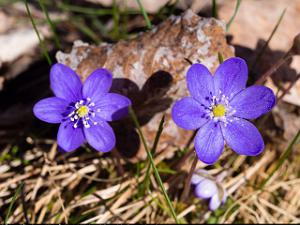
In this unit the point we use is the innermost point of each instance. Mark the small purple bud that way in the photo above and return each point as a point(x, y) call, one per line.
point(206, 189)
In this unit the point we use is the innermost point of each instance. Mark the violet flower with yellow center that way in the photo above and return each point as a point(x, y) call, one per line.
point(219, 107)
point(82, 110)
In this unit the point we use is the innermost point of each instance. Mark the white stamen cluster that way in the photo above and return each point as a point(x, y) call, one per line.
point(86, 119)
point(224, 100)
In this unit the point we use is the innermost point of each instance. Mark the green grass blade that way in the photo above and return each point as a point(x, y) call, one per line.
point(237, 6)
point(49, 21)
point(259, 55)
point(214, 9)
point(156, 173)
point(14, 198)
point(220, 57)
point(282, 158)
point(146, 182)
point(42, 44)
point(148, 22)
point(116, 19)
point(158, 134)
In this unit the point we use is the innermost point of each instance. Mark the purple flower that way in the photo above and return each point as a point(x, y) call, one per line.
point(82, 110)
point(219, 105)
point(206, 187)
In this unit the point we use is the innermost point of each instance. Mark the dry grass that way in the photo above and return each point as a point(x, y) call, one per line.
point(90, 187)
point(86, 188)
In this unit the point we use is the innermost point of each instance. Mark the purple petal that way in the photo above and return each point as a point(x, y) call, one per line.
point(97, 84)
point(68, 137)
point(209, 142)
point(243, 137)
point(50, 110)
point(101, 136)
point(200, 83)
point(214, 202)
point(253, 102)
point(206, 189)
point(187, 113)
point(231, 77)
point(112, 106)
point(65, 83)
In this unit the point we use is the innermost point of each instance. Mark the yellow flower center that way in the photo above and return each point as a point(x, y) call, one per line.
point(219, 110)
point(82, 111)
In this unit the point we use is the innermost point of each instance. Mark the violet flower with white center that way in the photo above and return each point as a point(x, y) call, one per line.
point(82, 110)
point(219, 106)
point(207, 187)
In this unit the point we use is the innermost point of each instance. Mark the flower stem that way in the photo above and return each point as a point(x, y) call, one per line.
point(186, 189)
point(156, 173)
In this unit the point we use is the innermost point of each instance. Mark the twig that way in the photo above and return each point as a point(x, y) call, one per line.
point(275, 67)
point(288, 88)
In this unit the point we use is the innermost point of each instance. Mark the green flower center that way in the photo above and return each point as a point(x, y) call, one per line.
point(82, 111)
point(219, 110)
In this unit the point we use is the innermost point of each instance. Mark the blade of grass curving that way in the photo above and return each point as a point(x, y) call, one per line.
point(282, 158)
point(214, 9)
point(158, 134)
point(50, 23)
point(156, 173)
point(237, 6)
point(146, 182)
point(14, 198)
point(262, 50)
point(148, 22)
point(42, 44)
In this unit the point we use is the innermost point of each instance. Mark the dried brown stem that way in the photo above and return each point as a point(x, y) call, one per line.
point(288, 88)
point(186, 189)
point(275, 67)
point(117, 156)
